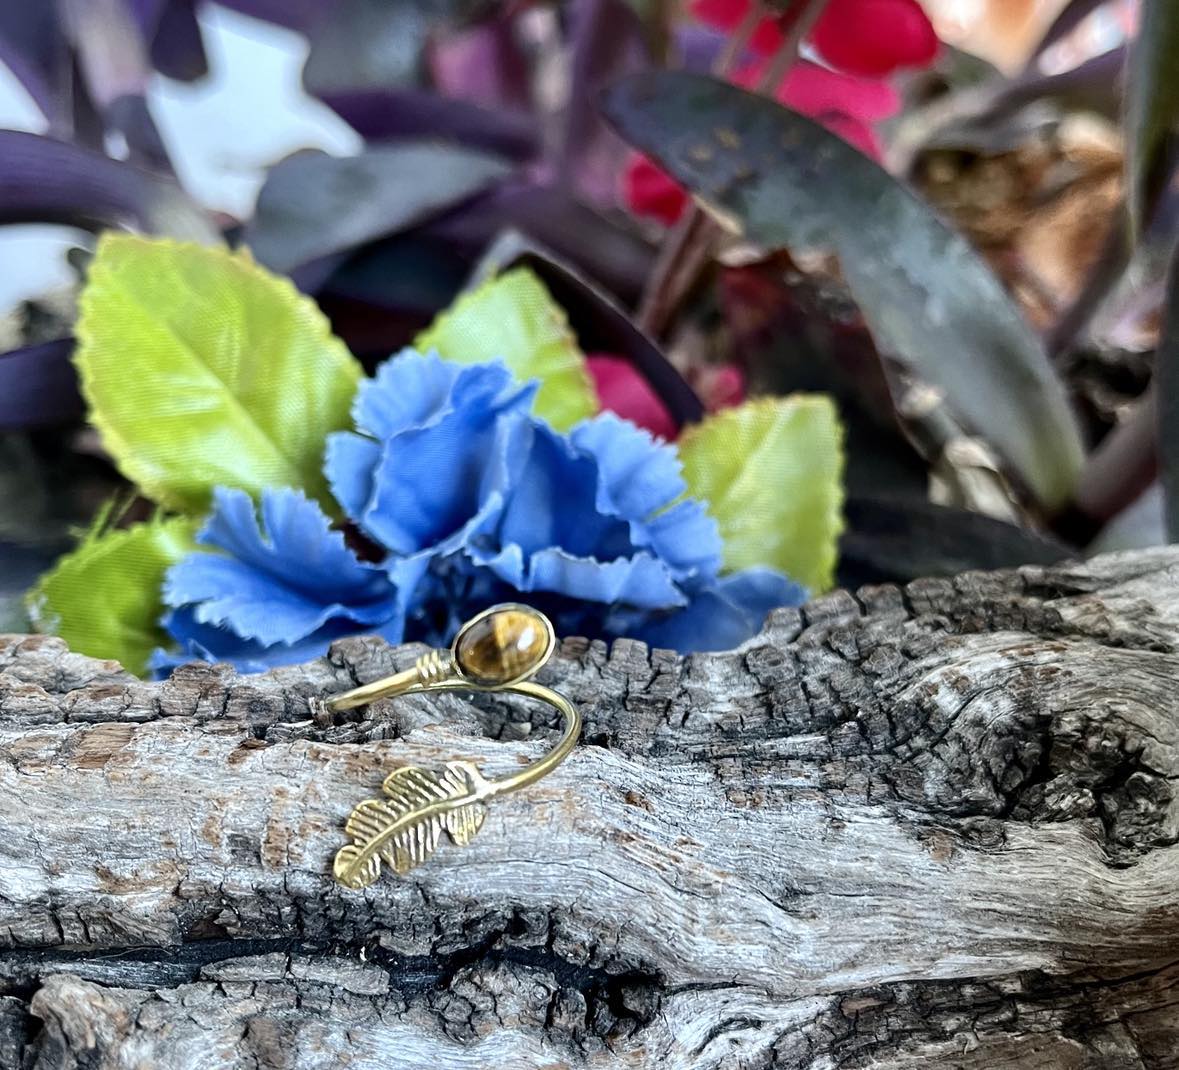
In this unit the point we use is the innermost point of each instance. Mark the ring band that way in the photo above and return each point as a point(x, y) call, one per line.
point(496, 651)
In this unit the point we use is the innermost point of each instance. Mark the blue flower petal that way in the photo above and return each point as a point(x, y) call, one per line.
point(433, 489)
point(726, 614)
point(348, 464)
point(639, 479)
point(552, 500)
point(431, 480)
point(415, 390)
point(638, 474)
point(687, 538)
point(210, 642)
point(638, 580)
point(285, 579)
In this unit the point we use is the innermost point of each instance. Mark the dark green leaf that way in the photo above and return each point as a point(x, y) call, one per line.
point(314, 204)
point(926, 295)
point(1152, 108)
point(364, 44)
point(897, 540)
point(1166, 385)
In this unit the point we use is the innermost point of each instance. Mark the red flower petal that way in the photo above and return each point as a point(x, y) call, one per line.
point(723, 14)
point(816, 91)
point(648, 190)
point(875, 37)
point(622, 390)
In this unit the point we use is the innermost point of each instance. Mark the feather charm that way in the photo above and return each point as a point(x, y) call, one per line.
point(403, 828)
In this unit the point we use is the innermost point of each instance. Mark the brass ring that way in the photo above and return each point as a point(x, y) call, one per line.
point(498, 650)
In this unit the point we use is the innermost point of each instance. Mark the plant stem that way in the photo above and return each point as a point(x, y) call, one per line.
point(803, 18)
point(736, 45)
point(662, 292)
point(688, 247)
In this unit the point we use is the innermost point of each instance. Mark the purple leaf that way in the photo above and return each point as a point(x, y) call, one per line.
point(33, 48)
point(698, 47)
point(43, 180)
point(483, 65)
point(314, 204)
point(177, 48)
point(38, 386)
point(616, 256)
point(385, 114)
point(110, 46)
point(607, 43)
point(129, 116)
point(301, 15)
point(112, 56)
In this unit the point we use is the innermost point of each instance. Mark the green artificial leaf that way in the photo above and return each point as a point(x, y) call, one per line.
point(771, 471)
point(103, 598)
point(200, 368)
point(1152, 108)
point(925, 294)
point(513, 318)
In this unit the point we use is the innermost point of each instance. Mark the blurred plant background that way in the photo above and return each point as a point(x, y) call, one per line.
point(953, 219)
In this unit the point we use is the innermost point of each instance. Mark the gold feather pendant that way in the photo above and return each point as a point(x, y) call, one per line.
point(403, 829)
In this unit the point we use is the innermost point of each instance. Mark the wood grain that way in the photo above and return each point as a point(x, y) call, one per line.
point(929, 827)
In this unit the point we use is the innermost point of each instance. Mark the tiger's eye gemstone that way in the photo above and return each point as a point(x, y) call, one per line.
point(503, 646)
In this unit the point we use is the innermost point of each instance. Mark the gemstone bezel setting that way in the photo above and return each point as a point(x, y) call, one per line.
point(512, 666)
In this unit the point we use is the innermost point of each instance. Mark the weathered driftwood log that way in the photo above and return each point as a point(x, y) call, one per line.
point(925, 827)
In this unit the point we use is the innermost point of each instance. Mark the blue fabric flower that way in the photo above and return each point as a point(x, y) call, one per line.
point(278, 589)
point(212, 642)
point(594, 516)
point(471, 500)
point(724, 614)
point(428, 467)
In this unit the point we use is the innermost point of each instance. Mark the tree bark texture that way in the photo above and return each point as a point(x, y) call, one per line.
point(924, 827)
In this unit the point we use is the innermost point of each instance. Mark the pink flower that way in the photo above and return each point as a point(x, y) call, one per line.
point(719, 386)
point(650, 191)
point(624, 391)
